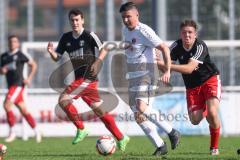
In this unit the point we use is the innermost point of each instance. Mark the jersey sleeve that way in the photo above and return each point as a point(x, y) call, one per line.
point(200, 53)
point(61, 46)
point(25, 57)
point(173, 52)
point(96, 41)
point(152, 39)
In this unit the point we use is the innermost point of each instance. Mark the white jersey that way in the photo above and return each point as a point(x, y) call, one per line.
point(142, 42)
point(141, 50)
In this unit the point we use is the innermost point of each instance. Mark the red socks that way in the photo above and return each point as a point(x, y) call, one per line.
point(107, 119)
point(10, 118)
point(215, 133)
point(110, 124)
point(30, 120)
point(72, 114)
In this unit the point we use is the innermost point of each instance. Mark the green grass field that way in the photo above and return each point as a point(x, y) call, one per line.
point(191, 147)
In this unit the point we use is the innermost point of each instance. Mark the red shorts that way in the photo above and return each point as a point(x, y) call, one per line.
point(85, 89)
point(197, 97)
point(15, 94)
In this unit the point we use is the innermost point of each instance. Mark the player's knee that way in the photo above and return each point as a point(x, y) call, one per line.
point(7, 105)
point(64, 100)
point(195, 121)
point(98, 111)
point(139, 118)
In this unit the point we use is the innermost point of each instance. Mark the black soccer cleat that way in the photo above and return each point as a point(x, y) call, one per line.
point(174, 137)
point(161, 150)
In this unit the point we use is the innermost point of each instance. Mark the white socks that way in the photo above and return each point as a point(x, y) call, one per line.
point(151, 131)
point(153, 116)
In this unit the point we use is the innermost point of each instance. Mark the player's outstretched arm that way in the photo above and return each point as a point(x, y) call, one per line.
point(52, 52)
point(185, 68)
point(167, 62)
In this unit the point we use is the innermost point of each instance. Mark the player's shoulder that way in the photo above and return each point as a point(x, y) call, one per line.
point(89, 34)
point(176, 44)
point(66, 35)
point(23, 55)
point(4, 54)
point(200, 42)
point(143, 28)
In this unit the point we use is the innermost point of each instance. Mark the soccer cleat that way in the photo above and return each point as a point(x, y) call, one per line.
point(174, 137)
point(10, 138)
point(214, 152)
point(81, 134)
point(161, 150)
point(123, 143)
point(38, 136)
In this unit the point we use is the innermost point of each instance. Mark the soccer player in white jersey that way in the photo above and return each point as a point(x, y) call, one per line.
point(140, 52)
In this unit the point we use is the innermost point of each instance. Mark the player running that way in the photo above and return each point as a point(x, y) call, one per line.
point(140, 53)
point(201, 78)
point(80, 45)
point(12, 63)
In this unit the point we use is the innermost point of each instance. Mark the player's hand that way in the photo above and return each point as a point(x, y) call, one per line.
point(4, 70)
point(26, 82)
point(165, 78)
point(50, 47)
point(96, 67)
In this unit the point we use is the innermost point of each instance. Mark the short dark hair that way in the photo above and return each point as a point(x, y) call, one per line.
point(127, 6)
point(188, 22)
point(13, 36)
point(75, 12)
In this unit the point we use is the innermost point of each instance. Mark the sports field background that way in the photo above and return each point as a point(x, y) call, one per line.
point(191, 147)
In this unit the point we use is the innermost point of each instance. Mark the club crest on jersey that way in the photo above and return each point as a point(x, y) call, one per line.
point(68, 44)
point(134, 40)
point(81, 43)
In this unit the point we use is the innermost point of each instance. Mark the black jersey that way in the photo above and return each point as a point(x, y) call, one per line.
point(15, 63)
point(81, 51)
point(199, 52)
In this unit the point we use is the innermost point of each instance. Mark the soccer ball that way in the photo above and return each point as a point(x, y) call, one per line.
point(106, 145)
point(3, 149)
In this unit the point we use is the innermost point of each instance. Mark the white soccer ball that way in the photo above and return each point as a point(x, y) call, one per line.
point(106, 145)
point(3, 149)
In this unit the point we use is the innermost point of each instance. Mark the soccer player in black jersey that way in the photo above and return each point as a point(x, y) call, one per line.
point(80, 45)
point(201, 78)
point(12, 63)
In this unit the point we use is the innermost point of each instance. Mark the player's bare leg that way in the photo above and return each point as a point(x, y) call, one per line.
point(214, 124)
point(66, 103)
point(23, 109)
point(196, 116)
point(11, 120)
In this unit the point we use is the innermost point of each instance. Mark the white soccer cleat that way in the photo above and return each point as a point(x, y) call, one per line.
point(10, 138)
point(38, 137)
point(214, 152)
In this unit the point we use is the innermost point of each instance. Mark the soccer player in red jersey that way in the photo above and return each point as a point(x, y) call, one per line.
point(80, 45)
point(12, 63)
point(201, 78)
